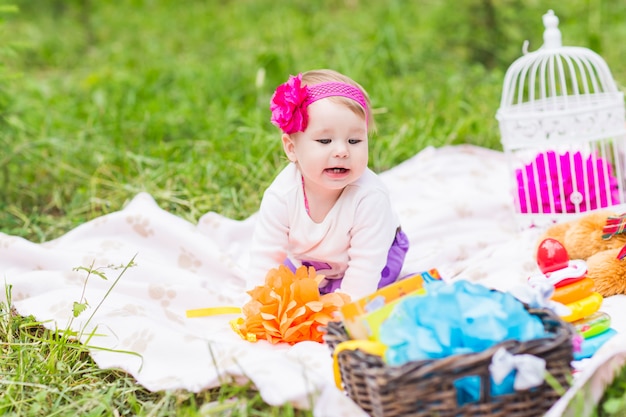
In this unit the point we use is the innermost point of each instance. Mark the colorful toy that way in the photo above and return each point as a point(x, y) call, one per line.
point(362, 318)
point(593, 325)
point(597, 238)
point(555, 265)
point(583, 307)
point(568, 276)
point(577, 291)
point(591, 345)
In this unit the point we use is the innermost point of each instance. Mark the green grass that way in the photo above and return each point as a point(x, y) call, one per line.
point(100, 100)
point(47, 374)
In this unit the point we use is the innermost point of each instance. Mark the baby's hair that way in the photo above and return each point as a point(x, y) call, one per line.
point(327, 75)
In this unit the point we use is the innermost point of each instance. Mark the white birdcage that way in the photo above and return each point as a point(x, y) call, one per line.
point(562, 128)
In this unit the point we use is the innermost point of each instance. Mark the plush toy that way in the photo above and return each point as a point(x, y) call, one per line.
point(599, 238)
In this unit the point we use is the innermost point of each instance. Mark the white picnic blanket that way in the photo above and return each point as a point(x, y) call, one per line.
point(455, 207)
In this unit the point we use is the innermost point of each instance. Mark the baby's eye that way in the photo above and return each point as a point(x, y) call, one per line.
point(354, 141)
point(324, 141)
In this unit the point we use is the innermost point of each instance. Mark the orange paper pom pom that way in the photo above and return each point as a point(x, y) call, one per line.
point(288, 308)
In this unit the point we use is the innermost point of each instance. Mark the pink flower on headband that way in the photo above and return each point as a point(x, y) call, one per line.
point(287, 106)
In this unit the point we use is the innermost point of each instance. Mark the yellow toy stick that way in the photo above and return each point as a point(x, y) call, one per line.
point(212, 311)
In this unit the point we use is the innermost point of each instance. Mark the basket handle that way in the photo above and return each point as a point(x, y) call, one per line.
point(367, 346)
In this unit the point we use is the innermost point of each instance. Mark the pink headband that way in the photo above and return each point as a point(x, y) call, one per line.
point(290, 100)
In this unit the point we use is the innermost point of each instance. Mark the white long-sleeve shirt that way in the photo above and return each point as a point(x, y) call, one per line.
point(353, 240)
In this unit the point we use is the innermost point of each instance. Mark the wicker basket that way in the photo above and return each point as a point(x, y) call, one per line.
point(425, 388)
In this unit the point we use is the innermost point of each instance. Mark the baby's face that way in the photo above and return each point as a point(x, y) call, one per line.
point(333, 151)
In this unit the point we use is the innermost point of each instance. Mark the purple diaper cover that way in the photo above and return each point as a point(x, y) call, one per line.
point(389, 274)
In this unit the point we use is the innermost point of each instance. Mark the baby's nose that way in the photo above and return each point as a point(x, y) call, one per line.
point(341, 150)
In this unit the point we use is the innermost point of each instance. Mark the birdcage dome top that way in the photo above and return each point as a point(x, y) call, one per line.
point(559, 93)
point(557, 77)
